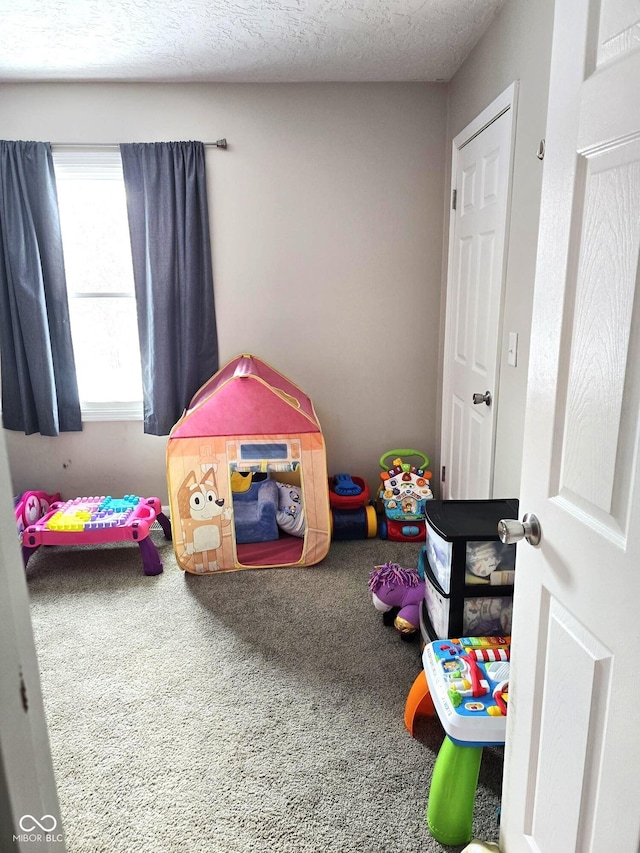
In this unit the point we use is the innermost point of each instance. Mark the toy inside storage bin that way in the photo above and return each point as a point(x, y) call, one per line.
point(468, 572)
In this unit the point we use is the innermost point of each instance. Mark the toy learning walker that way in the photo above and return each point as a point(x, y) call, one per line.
point(403, 494)
point(96, 520)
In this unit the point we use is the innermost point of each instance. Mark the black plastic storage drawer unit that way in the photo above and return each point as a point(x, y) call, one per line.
point(468, 572)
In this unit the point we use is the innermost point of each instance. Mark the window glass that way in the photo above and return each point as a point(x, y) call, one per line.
point(97, 253)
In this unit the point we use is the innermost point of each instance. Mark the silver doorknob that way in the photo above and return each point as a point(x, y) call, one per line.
point(511, 530)
point(482, 398)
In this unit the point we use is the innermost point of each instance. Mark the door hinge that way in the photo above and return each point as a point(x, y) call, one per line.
point(443, 476)
point(454, 199)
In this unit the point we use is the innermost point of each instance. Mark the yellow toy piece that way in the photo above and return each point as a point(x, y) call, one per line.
point(241, 481)
point(69, 522)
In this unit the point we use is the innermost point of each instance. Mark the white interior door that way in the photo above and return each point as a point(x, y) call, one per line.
point(572, 765)
point(481, 178)
point(29, 810)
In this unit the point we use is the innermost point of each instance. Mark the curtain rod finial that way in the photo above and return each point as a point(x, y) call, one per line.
point(221, 143)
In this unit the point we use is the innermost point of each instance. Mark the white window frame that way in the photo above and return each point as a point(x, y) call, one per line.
point(92, 161)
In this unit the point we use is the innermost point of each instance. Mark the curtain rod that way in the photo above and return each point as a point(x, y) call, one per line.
point(220, 143)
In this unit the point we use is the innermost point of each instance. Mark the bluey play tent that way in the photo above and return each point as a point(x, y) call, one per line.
point(247, 474)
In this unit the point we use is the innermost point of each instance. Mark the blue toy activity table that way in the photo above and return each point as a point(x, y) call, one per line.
point(467, 682)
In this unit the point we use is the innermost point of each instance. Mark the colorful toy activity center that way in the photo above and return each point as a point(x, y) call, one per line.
point(96, 520)
point(404, 493)
point(466, 682)
point(247, 474)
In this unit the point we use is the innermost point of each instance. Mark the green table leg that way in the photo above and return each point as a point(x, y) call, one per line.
point(452, 793)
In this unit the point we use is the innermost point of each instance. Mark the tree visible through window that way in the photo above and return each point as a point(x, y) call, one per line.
point(97, 254)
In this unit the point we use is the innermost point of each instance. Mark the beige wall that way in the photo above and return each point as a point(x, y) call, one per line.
point(326, 217)
point(517, 46)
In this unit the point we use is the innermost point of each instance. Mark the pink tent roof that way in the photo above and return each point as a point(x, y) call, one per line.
point(247, 397)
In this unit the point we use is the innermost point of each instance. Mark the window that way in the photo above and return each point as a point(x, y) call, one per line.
point(102, 306)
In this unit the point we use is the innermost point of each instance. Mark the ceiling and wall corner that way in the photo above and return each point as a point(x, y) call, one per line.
point(256, 41)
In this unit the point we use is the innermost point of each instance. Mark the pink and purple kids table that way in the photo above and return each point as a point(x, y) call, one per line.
point(96, 520)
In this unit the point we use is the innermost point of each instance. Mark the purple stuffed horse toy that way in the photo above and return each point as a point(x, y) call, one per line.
point(391, 588)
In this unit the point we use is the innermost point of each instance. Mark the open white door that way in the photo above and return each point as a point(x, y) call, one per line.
point(572, 764)
point(29, 811)
point(481, 189)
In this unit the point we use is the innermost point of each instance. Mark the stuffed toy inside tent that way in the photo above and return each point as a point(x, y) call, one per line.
point(247, 474)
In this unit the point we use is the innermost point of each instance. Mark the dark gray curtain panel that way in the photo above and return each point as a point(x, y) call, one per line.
point(169, 226)
point(39, 387)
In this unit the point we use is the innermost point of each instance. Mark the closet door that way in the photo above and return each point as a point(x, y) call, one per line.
point(481, 179)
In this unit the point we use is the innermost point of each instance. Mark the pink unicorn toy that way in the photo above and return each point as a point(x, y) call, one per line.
point(397, 593)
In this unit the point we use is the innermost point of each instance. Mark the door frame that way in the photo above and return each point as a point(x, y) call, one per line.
point(507, 101)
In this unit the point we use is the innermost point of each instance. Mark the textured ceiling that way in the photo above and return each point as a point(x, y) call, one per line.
point(239, 40)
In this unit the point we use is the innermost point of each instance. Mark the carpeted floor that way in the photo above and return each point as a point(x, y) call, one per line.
point(249, 712)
